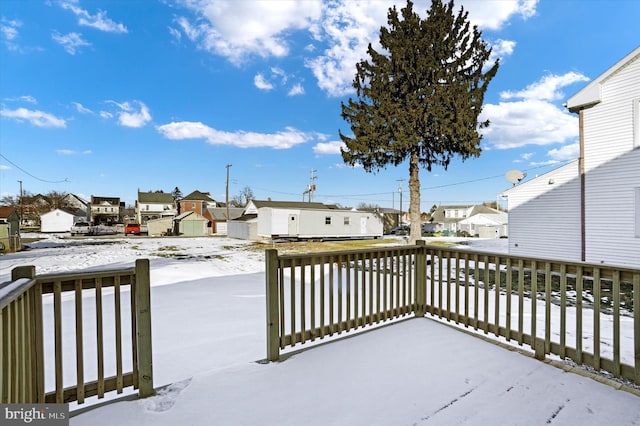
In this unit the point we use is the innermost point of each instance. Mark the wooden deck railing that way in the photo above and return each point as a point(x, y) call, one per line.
point(38, 341)
point(588, 313)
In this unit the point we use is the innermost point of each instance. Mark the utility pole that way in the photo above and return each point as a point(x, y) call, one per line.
point(400, 191)
point(312, 185)
point(227, 191)
point(20, 182)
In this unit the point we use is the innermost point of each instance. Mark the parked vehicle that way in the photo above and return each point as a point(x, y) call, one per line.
point(81, 228)
point(132, 228)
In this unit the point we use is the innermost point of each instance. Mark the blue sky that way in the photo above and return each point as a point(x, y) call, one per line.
point(108, 97)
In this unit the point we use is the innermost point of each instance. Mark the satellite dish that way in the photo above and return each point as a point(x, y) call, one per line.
point(515, 176)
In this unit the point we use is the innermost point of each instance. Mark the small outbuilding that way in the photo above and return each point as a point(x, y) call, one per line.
point(61, 220)
point(9, 230)
point(191, 224)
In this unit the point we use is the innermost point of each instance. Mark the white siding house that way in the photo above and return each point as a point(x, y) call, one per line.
point(60, 220)
point(600, 199)
point(300, 220)
point(544, 215)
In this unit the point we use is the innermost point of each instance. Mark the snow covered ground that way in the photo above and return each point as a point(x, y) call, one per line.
point(208, 319)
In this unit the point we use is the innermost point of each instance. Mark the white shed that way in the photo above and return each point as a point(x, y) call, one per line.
point(60, 220)
point(300, 220)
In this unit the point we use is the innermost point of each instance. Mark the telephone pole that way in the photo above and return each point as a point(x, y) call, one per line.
point(312, 185)
point(227, 191)
point(20, 182)
point(400, 191)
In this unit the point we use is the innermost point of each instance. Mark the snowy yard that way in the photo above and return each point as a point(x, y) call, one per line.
point(208, 317)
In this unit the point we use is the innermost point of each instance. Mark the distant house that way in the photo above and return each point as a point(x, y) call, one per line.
point(73, 202)
point(154, 205)
point(303, 220)
point(9, 230)
point(61, 220)
point(106, 210)
point(199, 202)
point(589, 210)
point(469, 219)
point(219, 218)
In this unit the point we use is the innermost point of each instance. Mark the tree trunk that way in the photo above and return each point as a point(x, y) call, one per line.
point(414, 203)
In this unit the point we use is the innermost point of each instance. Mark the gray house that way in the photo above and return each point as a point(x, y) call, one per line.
point(304, 220)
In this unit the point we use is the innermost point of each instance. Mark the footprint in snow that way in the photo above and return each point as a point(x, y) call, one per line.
point(166, 397)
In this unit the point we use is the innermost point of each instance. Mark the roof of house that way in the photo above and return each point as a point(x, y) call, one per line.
point(190, 213)
point(591, 93)
point(155, 197)
point(77, 212)
point(293, 204)
point(5, 212)
point(545, 175)
point(220, 213)
point(102, 200)
point(439, 214)
point(198, 196)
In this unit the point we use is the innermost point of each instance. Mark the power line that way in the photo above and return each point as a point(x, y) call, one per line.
point(386, 193)
point(33, 176)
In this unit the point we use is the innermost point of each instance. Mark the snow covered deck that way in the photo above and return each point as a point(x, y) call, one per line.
point(414, 372)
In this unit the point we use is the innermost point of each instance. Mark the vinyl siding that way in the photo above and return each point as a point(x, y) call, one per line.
point(612, 168)
point(544, 217)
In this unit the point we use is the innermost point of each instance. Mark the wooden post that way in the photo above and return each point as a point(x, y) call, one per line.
point(421, 278)
point(273, 315)
point(143, 320)
point(23, 272)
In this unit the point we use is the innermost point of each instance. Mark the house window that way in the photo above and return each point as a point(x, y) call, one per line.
point(347, 220)
point(327, 220)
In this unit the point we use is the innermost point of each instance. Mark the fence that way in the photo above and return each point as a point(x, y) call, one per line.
point(588, 313)
point(38, 342)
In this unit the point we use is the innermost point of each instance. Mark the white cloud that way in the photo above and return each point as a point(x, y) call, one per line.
point(501, 48)
point(106, 114)
point(324, 148)
point(9, 32)
point(25, 98)
point(494, 14)
point(35, 117)
point(532, 122)
point(547, 88)
point(261, 83)
point(533, 118)
point(71, 42)
point(237, 30)
point(175, 34)
point(72, 152)
point(81, 108)
point(129, 115)
point(341, 30)
point(565, 153)
point(297, 89)
point(195, 130)
point(4, 167)
point(98, 21)
point(526, 155)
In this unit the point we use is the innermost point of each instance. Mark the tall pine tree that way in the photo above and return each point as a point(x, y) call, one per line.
point(420, 98)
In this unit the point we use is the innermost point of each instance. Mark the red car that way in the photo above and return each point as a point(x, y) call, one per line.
point(132, 228)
